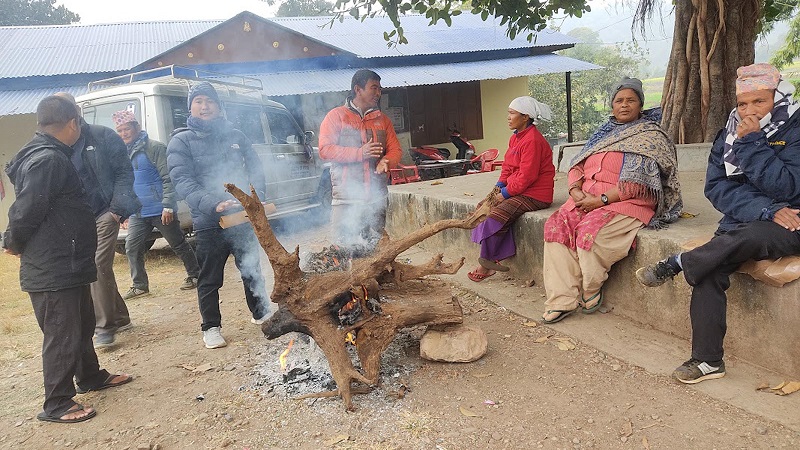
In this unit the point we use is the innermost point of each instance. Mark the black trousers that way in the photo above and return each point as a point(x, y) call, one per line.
point(213, 248)
point(708, 269)
point(66, 318)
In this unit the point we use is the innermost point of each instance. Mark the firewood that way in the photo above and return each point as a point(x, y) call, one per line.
point(305, 300)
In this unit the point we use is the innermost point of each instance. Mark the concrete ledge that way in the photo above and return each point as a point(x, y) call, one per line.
point(762, 320)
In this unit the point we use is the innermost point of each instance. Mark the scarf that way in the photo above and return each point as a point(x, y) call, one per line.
point(139, 142)
point(649, 165)
point(785, 107)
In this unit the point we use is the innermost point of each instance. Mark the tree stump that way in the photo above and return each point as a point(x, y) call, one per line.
point(308, 303)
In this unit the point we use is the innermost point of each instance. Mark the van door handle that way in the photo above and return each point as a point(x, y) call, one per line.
point(281, 156)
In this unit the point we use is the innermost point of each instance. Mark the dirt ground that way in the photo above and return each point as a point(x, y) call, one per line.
point(535, 388)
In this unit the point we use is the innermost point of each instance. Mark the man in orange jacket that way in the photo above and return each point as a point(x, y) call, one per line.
point(363, 146)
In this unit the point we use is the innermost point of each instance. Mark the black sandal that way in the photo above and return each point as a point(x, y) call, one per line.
point(44, 417)
point(562, 314)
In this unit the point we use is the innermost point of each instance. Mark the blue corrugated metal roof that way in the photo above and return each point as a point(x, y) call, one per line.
point(72, 49)
point(24, 102)
point(78, 49)
point(468, 33)
point(310, 82)
point(288, 83)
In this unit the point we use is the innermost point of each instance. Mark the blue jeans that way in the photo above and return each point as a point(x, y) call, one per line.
point(213, 248)
point(138, 233)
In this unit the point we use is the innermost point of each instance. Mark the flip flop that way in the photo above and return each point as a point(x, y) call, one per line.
point(596, 306)
point(107, 384)
point(478, 277)
point(44, 417)
point(562, 314)
point(492, 265)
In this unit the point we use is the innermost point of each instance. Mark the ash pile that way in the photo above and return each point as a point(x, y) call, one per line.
point(306, 369)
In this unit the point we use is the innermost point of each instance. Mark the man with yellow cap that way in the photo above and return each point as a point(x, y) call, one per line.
point(753, 178)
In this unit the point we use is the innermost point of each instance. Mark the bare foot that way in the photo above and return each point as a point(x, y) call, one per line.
point(76, 412)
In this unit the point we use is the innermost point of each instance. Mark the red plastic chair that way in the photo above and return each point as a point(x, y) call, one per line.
point(485, 159)
point(404, 174)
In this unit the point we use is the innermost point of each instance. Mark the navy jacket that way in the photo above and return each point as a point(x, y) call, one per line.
point(200, 163)
point(770, 180)
point(107, 156)
point(50, 223)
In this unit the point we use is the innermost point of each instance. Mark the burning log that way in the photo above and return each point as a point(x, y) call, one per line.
point(312, 303)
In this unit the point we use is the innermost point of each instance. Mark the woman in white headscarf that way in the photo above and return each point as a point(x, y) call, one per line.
point(525, 184)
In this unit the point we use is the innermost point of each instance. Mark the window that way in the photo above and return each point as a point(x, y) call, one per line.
point(247, 119)
point(178, 112)
point(101, 114)
point(282, 127)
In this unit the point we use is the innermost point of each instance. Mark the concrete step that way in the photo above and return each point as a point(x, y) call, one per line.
point(762, 320)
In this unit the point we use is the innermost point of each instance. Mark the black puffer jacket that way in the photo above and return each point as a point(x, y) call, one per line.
point(201, 162)
point(50, 224)
point(107, 155)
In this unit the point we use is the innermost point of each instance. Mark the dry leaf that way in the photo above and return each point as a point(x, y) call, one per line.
point(788, 388)
point(469, 194)
point(481, 375)
point(204, 368)
point(778, 387)
point(565, 345)
point(336, 439)
point(437, 182)
point(687, 215)
point(762, 386)
point(645, 443)
point(542, 339)
point(627, 429)
point(187, 367)
point(468, 413)
point(530, 323)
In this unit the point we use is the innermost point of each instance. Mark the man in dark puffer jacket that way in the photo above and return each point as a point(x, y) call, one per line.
point(201, 158)
point(51, 227)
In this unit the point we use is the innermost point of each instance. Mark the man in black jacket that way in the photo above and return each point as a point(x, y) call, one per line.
point(51, 228)
point(101, 159)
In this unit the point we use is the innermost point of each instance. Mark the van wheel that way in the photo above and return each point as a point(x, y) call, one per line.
point(322, 213)
point(120, 247)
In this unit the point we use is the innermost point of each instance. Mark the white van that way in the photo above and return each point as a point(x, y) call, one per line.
point(296, 178)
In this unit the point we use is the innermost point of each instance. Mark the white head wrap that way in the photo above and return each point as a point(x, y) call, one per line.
point(531, 108)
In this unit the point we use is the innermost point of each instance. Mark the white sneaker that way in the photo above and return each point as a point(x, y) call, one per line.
point(213, 338)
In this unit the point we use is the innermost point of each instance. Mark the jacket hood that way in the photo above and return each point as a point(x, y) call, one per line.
point(39, 142)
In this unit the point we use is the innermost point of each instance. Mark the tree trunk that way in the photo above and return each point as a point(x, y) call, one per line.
point(712, 38)
point(313, 303)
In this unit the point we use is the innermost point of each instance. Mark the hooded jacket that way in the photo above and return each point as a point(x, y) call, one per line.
point(770, 179)
point(152, 184)
point(202, 161)
point(341, 135)
point(107, 158)
point(50, 223)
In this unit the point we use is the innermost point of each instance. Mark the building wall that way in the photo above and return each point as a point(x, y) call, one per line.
point(15, 131)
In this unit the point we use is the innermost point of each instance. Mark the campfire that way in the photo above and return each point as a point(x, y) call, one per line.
point(337, 299)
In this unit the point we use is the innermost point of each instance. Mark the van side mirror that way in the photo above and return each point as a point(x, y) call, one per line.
point(309, 136)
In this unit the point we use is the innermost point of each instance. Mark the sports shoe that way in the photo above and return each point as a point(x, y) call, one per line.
point(125, 327)
point(694, 371)
point(135, 292)
point(189, 283)
point(103, 340)
point(658, 273)
point(213, 338)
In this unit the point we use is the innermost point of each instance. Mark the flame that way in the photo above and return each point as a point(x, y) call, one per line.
point(285, 353)
point(335, 261)
point(350, 338)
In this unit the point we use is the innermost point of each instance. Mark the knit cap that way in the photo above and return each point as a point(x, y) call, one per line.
point(629, 83)
point(203, 88)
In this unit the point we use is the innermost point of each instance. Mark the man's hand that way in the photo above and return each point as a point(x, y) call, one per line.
point(124, 224)
point(382, 167)
point(372, 150)
point(787, 218)
point(588, 203)
point(11, 252)
point(749, 124)
point(222, 206)
point(166, 217)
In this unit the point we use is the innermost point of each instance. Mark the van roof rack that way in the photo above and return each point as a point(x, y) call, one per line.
point(179, 75)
